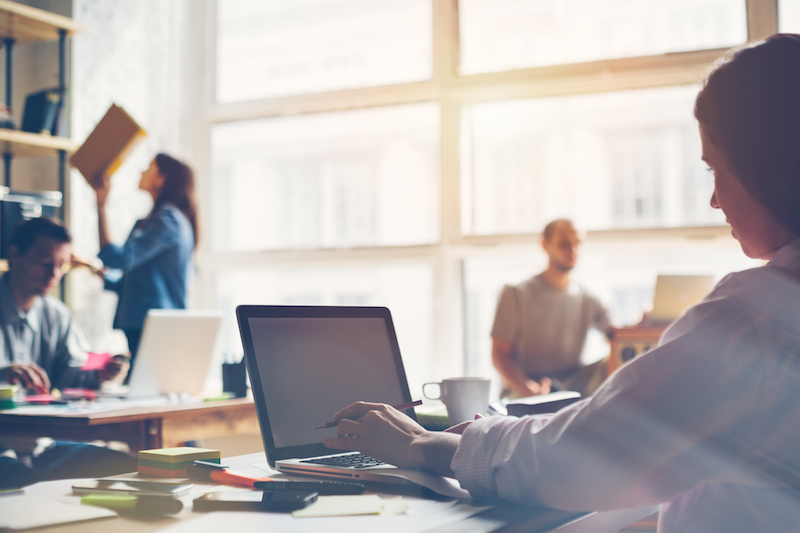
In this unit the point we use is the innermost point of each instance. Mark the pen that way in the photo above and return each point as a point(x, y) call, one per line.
point(221, 474)
point(321, 487)
point(401, 407)
point(146, 505)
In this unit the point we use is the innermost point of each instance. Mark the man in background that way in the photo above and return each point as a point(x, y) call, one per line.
point(541, 324)
point(41, 347)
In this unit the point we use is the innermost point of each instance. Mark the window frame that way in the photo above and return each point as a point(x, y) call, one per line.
point(451, 91)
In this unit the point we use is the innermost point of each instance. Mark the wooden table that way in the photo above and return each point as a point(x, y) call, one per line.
point(141, 427)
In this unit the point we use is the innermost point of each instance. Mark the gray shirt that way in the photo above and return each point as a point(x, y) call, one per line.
point(547, 326)
point(46, 336)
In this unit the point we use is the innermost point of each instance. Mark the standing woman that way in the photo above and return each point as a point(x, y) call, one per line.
point(156, 260)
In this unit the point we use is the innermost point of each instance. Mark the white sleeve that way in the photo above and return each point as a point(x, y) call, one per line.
point(688, 412)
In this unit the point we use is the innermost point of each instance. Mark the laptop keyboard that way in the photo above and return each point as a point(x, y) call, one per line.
point(354, 460)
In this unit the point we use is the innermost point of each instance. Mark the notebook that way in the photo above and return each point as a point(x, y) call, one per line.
point(109, 143)
point(676, 293)
point(175, 352)
point(306, 363)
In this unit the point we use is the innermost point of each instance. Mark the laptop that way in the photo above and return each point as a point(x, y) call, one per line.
point(676, 293)
point(306, 363)
point(175, 353)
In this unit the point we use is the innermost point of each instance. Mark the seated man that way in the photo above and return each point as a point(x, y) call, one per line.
point(41, 347)
point(541, 324)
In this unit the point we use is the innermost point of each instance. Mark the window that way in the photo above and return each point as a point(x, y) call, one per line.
point(355, 178)
point(406, 289)
point(273, 48)
point(789, 16)
point(610, 160)
point(622, 275)
point(499, 35)
point(408, 154)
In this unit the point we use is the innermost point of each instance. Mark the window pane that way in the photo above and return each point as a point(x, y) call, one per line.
point(356, 178)
point(613, 160)
point(789, 16)
point(277, 48)
point(622, 274)
point(407, 290)
point(510, 34)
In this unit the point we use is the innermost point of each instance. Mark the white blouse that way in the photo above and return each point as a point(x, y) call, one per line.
point(708, 423)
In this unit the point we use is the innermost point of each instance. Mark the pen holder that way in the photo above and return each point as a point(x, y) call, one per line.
point(234, 378)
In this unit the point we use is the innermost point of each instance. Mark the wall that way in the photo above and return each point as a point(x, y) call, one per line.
point(139, 55)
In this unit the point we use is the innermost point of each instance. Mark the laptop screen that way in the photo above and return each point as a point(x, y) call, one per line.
point(306, 363)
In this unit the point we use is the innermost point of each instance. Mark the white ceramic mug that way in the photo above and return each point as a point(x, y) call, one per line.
point(463, 397)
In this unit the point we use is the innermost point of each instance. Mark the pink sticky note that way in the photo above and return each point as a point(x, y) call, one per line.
point(96, 361)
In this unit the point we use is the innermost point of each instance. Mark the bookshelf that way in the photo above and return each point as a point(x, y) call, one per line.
point(24, 24)
point(25, 144)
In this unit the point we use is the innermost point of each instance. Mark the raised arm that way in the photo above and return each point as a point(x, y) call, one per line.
point(101, 185)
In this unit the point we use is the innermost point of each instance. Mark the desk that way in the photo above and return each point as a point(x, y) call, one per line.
point(141, 426)
point(425, 515)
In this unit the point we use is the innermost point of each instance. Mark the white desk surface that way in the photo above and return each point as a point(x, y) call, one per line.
point(423, 515)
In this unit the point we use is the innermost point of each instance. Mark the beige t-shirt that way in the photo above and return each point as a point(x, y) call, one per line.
point(546, 326)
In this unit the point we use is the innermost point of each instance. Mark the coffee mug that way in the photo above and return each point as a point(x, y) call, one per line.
point(463, 397)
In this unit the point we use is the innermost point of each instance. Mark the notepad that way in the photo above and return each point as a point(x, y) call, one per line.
point(18, 513)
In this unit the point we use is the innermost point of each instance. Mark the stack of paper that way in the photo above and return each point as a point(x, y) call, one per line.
point(173, 462)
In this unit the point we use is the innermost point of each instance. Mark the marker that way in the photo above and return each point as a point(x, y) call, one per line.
point(219, 473)
point(145, 505)
point(401, 407)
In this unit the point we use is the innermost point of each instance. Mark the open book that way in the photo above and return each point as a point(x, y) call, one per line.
point(108, 145)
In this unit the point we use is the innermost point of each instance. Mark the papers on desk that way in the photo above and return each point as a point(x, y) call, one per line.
point(23, 511)
point(362, 504)
point(421, 515)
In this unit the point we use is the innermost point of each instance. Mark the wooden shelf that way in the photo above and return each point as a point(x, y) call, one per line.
point(24, 144)
point(27, 24)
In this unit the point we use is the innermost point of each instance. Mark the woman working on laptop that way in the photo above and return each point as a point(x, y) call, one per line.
point(156, 260)
point(708, 423)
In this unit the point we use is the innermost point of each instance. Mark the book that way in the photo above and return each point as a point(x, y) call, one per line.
point(541, 404)
point(42, 110)
point(106, 147)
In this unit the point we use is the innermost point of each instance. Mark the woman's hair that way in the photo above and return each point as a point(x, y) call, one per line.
point(749, 108)
point(178, 189)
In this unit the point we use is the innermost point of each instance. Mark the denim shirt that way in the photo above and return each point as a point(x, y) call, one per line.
point(156, 264)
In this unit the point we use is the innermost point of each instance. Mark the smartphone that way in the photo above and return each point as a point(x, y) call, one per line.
point(254, 501)
point(131, 486)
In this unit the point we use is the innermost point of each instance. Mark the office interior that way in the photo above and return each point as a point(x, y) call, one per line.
point(403, 154)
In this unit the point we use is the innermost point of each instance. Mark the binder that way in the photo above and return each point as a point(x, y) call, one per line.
point(109, 143)
point(42, 111)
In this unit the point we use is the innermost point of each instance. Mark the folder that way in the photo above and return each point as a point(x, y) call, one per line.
point(108, 145)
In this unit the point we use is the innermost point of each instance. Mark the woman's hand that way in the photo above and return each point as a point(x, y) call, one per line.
point(94, 265)
point(383, 432)
point(101, 183)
